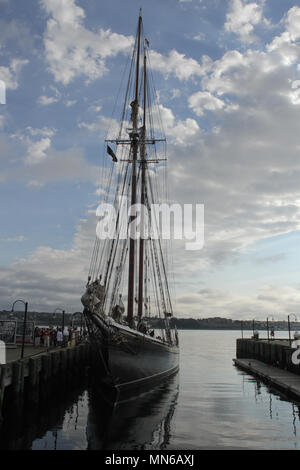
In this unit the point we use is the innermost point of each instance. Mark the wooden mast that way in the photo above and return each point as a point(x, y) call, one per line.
point(143, 189)
point(134, 137)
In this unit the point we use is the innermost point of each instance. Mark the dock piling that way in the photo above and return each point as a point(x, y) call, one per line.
point(32, 380)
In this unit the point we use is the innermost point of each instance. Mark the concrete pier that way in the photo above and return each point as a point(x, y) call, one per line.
point(30, 380)
point(271, 361)
point(274, 352)
point(287, 382)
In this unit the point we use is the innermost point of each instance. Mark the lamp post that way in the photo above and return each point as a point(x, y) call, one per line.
point(24, 323)
point(268, 328)
point(289, 326)
point(63, 317)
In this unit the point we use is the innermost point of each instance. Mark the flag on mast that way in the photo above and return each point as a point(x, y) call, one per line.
point(111, 153)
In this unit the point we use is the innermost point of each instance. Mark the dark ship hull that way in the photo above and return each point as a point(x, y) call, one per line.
point(129, 362)
point(140, 362)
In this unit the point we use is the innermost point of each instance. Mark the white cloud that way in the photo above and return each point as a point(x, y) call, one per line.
point(10, 75)
point(211, 302)
point(62, 283)
point(176, 93)
point(46, 100)
point(45, 131)
point(107, 127)
point(96, 108)
point(233, 74)
point(67, 165)
point(199, 37)
point(176, 130)
point(242, 18)
point(286, 45)
point(178, 64)
point(71, 49)
point(18, 239)
point(37, 151)
point(201, 101)
point(292, 22)
point(70, 103)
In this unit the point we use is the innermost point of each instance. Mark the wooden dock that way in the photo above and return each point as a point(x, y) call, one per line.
point(283, 380)
point(272, 361)
point(29, 380)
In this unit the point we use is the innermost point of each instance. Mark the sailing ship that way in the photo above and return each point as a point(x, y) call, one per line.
point(131, 356)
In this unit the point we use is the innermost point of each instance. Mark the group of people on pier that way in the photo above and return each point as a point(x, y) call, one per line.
point(55, 337)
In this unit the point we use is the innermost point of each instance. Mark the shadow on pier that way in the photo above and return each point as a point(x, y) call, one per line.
point(35, 391)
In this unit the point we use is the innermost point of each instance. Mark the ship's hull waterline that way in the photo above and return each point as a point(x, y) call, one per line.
point(132, 362)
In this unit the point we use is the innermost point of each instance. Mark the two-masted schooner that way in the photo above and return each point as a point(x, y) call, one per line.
point(131, 355)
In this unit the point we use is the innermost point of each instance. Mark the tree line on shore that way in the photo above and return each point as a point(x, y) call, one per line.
point(217, 323)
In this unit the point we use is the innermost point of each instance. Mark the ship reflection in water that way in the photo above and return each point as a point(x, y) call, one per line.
point(84, 421)
point(142, 423)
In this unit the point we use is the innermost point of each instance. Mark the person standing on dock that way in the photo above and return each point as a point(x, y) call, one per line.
point(37, 337)
point(272, 333)
point(46, 336)
point(53, 338)
point(59, 337)
point(65, 336)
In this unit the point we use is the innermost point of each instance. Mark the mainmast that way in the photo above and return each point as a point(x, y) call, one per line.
point(138, 141)
point(134, 137)
point(143, 189)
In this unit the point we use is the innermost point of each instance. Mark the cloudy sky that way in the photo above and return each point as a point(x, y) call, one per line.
point(227, 74)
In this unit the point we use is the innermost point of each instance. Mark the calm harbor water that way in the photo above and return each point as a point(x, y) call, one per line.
point(210, 404)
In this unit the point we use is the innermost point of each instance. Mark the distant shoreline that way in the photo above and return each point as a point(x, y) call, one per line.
point(231, 329)
point(212, 323)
